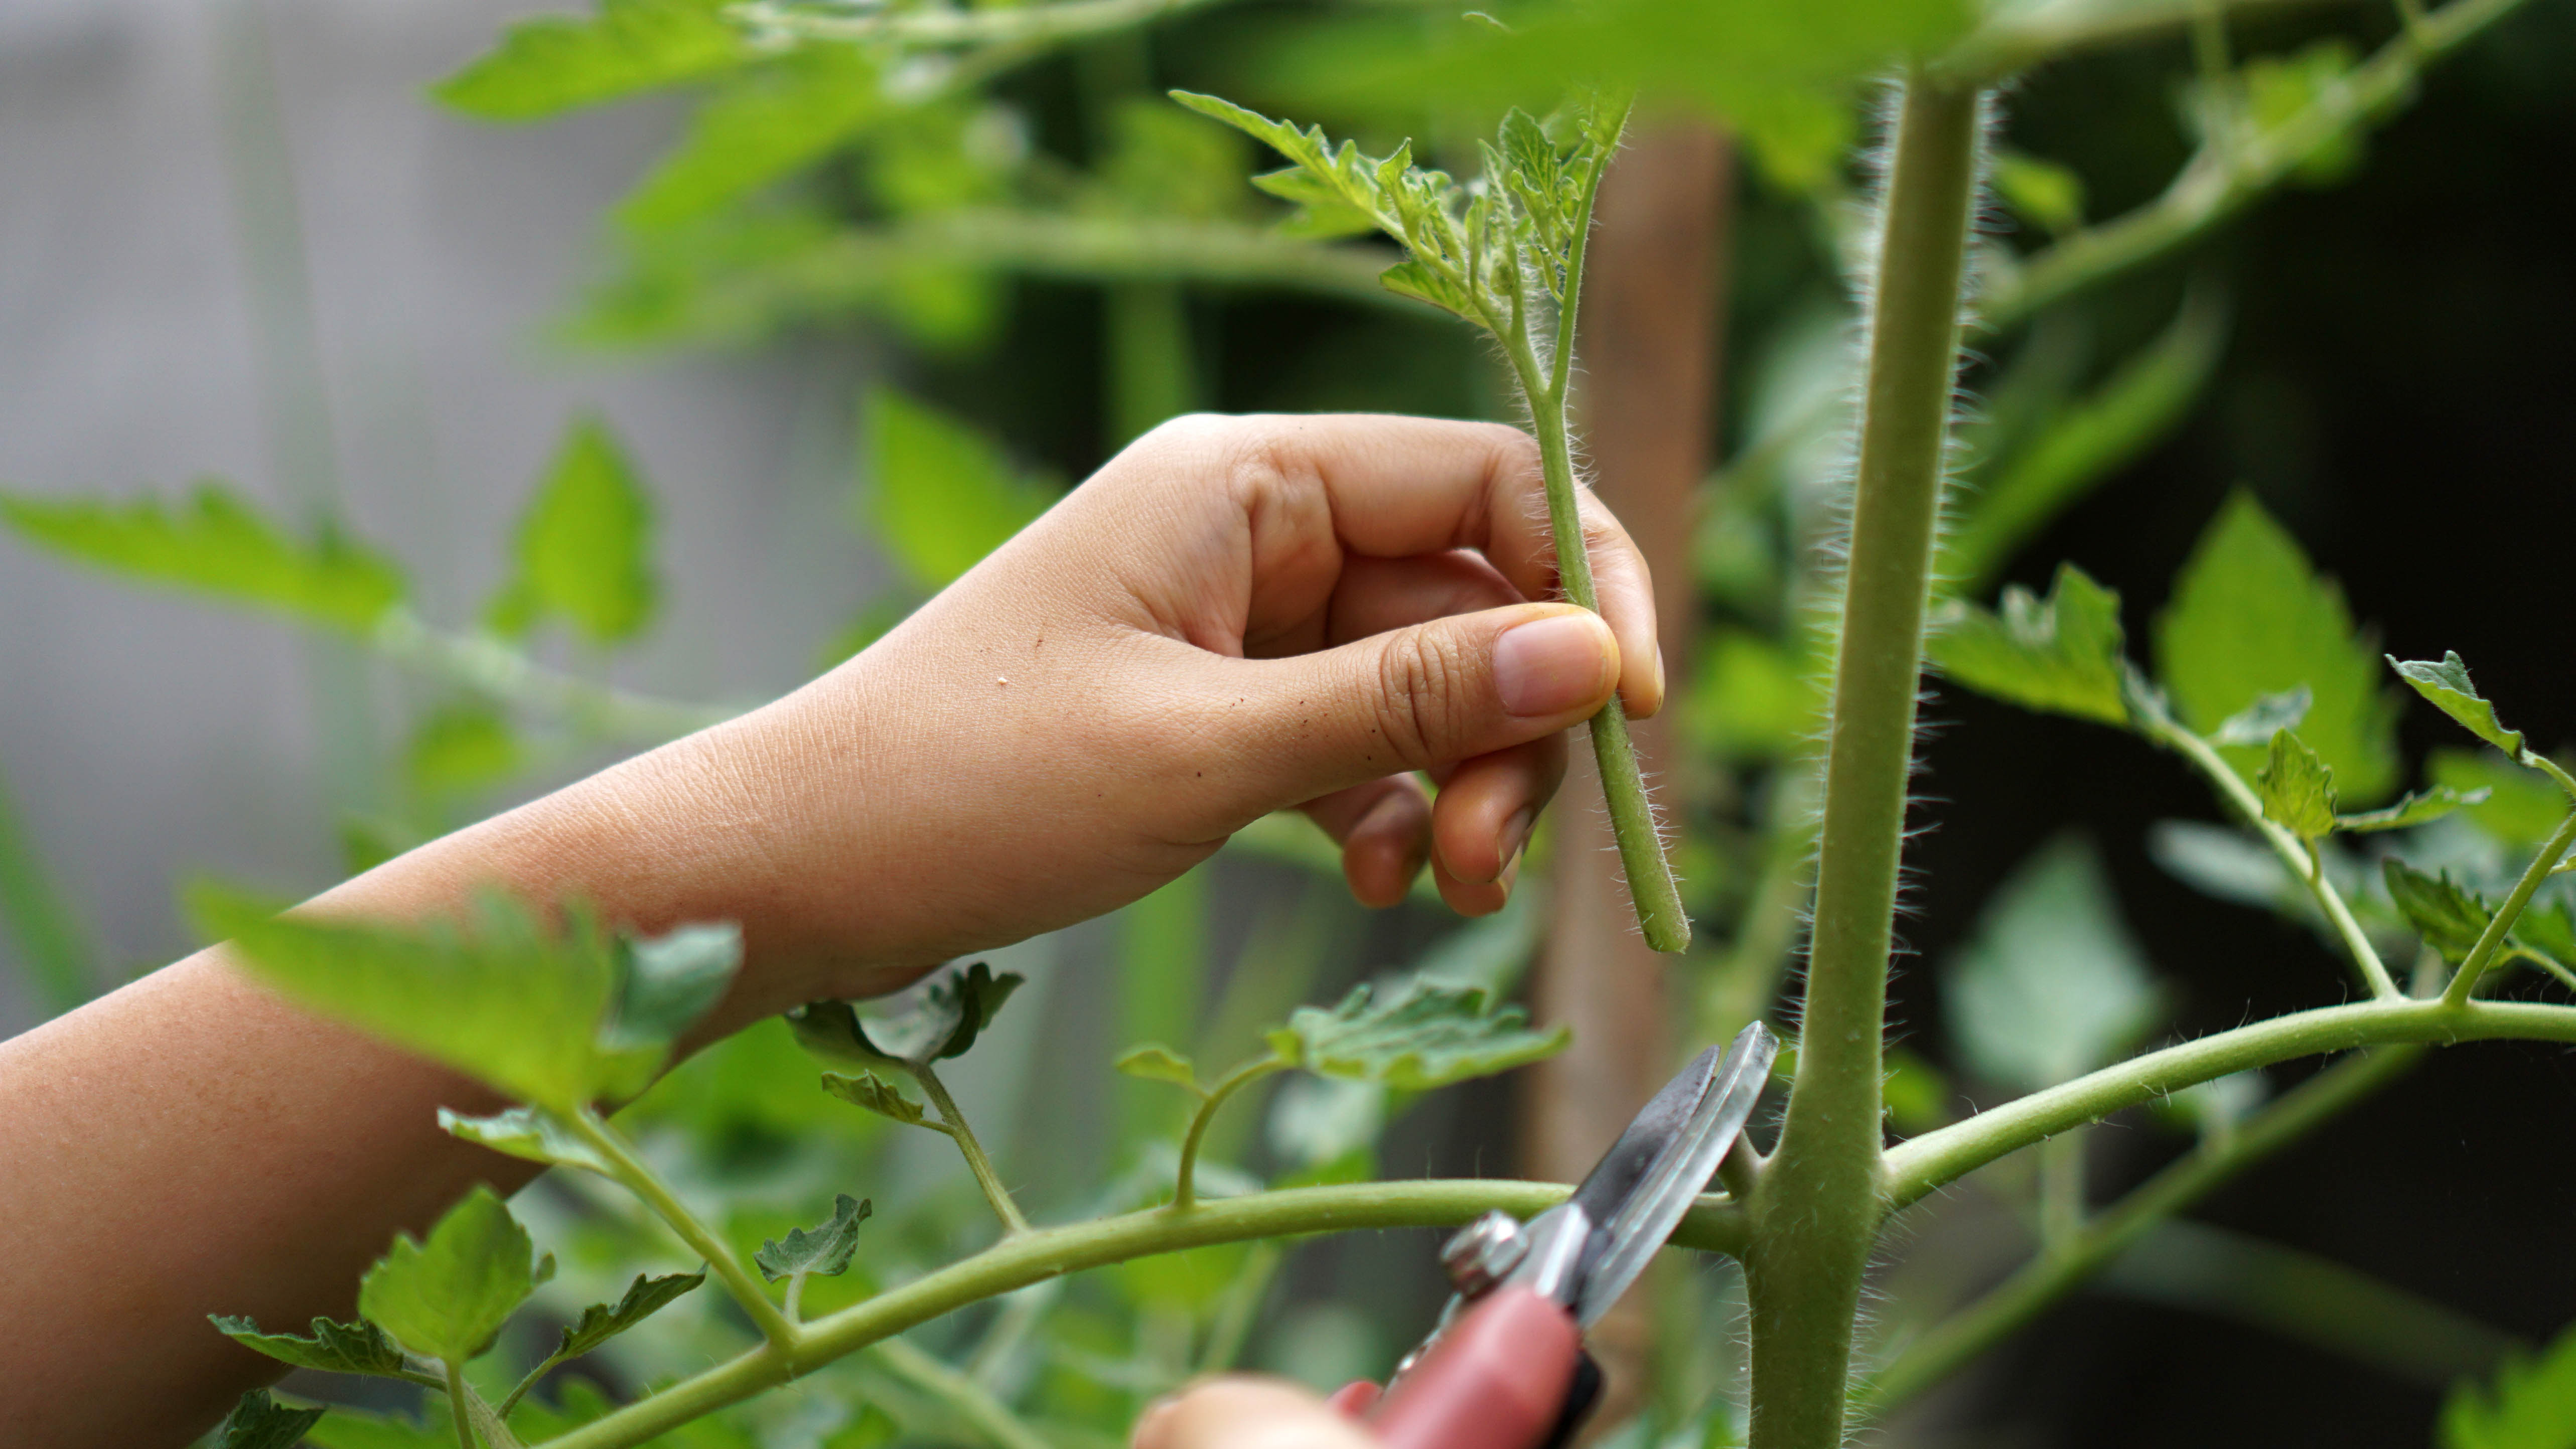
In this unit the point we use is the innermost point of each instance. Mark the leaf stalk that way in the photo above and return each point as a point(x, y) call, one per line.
point(2465, 980)
point(631, 1171)
point(968, 1147)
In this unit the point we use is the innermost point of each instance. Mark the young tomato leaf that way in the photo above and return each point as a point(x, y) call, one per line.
point(532, 1133)
point(2256, 723)
point(446, 1297)
point(2417, 808)
point(2531, 1404)
point(764, 123)
point(880, 1096)
point(666, 982)
point(2519, 808)
point(2060, 654)
point(1429, 1036)
point(338, 1348)
point(214, 542)
point(2297, 788)
point(585, 545)
point(258, 1422)
point(2449, 916)
point(824, 1248)
point(549, 64)
point(459, 750)
point(2448, 686)
point(2051, 984)
point(945, 1018)
point(2251, 617)
point(643, 1298)
point(1155, 1062)
point(944, 495)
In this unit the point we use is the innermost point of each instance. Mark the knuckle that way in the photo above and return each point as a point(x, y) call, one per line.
point(1421, 709)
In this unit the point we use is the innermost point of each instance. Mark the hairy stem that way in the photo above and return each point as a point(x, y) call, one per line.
point(1044, 1253)
point(2465, 980)
point(1939, 1352)
point(2301, 860)
point(970, 1401)
point(642, 1181)
point(1185, 1182)
point(456, 1404)
point(1820, 1203)
point(969, 1148)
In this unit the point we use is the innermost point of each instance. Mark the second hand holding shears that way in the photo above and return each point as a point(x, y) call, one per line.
point(1507, 1369)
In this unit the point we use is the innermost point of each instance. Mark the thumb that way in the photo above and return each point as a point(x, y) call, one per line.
point(1430, 695)
point(1242, 1412)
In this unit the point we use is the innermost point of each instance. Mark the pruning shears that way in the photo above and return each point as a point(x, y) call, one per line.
point(1506, 1368)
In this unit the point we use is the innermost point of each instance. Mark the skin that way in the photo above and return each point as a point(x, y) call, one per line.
point(1234, 616)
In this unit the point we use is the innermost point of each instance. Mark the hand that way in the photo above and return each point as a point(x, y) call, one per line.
point(1235, 616)
point(1241, 1412)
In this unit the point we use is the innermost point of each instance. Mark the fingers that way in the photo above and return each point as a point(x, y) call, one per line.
point(1390, 487)
point(1421, 698)
point(1384, 829)
point(1247, 1413)
point(1484, 818)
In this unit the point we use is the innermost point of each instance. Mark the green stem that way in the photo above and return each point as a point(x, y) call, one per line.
point(2301, 859)
point(1820, 1203)
point(959, 1394)
point(456, 1404)
point(969, 1148)
point(1044, 1253)
point(2061, 1191)
point(2465, 980)
point(1923, 1164)
point(642, 1181)
point(529, 1381)
point(1185, 1183)
point(487, 666)
point(1954, 1341)
point(1044, 24)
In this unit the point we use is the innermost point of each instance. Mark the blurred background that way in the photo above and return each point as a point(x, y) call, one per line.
point(815, 361)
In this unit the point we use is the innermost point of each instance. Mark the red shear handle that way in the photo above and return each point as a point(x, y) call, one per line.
point(1497, 1379)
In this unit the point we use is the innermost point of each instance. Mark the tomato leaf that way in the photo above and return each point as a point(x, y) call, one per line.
point(643, 1298)
point(1428, 1036)
point(2297, 788)
point(446, 1297)
point(584, 549)
point(944, 496)
point(764, 123)
point(333, 1347)
point(2448, 686)
point(2250, 617)
point(549, 64)
point(258, 1422)
point(2531, 1403)
point(2256, 723)
point(944, 1019)
point(2519, 808)
point(824, 1248)
point(1156, 1062)
point(2060, 654)
point(880, 1096)
point(531, 1133)
point(215, 542)
point(2449, 916)
point(2416, 808)
point(2051, 985)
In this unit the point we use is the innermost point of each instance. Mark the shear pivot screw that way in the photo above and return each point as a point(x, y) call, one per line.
point(1483, 1253)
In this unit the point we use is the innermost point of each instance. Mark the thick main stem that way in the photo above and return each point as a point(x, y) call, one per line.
point(1821, 1200)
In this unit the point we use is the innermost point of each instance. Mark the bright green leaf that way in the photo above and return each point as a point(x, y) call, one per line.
point(2050, 985)
point(2060, 654)
point(2530, 1405)
point(1916, 1095)
point(943, 1020)
point(2297, 788)
point(338, 1348)
point(584, 550)
point(824, 1249)
point(531, 1133)
point(1427, 1037)
point(1158, 1063)
point(2250, 617)
point(258, 1422)
point(2042, 192)
point(549, 64)
point(2278, 89)
point(2449, 916)
point(2448, 686)
point(643, 1298)
point(2258, 722)
point(880, 1096)
point(2520, 808)
point(446, 1298)
point(216, 543)
point(1751, 699)
point(666, 982)
point(2416, 808)
point(762, 125)
point(944, 495)
point(461, 749)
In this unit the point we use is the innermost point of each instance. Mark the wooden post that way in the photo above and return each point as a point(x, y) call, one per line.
point(1652, 324)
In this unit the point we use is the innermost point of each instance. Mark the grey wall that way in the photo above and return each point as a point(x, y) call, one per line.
point(147, 153)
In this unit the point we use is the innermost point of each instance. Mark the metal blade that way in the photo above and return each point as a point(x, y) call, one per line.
point(1613, 1180)
point(1660, 1194)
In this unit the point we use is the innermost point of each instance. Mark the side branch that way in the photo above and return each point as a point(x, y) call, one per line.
point(1715, 1225)
point(1928, 1162)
